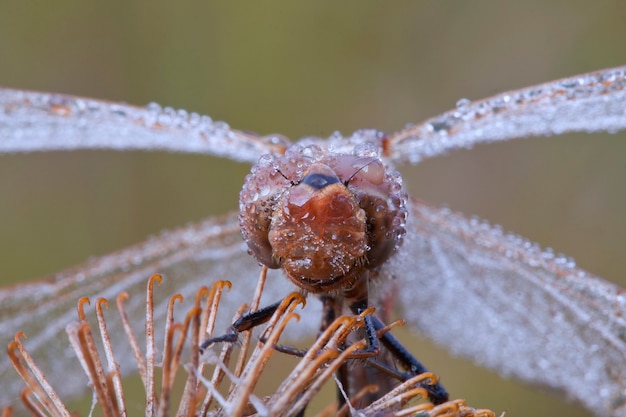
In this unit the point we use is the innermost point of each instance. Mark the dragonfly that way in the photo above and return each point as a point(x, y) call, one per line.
point(493, 297)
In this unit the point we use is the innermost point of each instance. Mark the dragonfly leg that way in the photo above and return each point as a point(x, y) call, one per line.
point(246, 322)
point(436, 392)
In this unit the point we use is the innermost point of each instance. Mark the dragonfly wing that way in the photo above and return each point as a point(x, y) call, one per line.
point(32, 121)
point(593, 102)
point(513, 307)
point(188, 258)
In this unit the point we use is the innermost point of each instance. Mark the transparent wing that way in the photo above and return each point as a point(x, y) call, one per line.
point(188, 258)
point(31, 121)
point(592, 102)
point(506, 304)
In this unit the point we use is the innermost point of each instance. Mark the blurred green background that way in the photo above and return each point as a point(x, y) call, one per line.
point(310, 68)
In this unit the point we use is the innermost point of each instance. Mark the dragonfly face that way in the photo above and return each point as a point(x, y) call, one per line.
point(562, 328)
point(323, 218)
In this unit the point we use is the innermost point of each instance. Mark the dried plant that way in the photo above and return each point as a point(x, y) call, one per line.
point(206, 393)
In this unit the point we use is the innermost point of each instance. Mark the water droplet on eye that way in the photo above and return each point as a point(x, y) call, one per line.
point(265, 160)
point(367, 150)
point(313, 151)
point(264, 191)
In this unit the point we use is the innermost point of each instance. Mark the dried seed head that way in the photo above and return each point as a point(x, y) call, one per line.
point(211, 388)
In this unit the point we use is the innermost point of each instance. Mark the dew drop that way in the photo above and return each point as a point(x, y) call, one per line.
point(440, 126)
point(265, 160)
point(264, 191)
point(154, 107)
point(463, 104)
